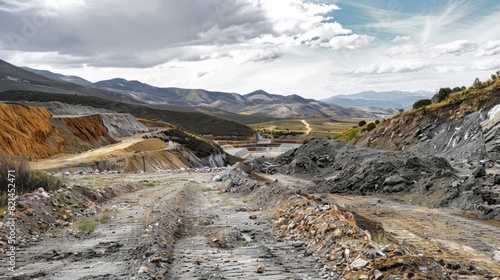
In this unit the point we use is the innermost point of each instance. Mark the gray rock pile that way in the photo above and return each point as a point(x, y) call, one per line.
point(340, 168)
point(427, 180)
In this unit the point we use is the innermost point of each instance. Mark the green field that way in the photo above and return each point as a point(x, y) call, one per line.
point(296, 129)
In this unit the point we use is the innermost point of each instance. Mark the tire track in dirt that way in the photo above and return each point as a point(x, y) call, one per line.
point(232, 241)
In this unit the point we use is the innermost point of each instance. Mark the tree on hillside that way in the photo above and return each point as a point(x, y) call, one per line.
point(361, 123)
point(422, 103)
point(477, 84)
point(458, 89)
point(443, 93)
point(371, 126)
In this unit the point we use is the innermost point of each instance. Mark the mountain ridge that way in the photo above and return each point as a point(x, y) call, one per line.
point(259, 101)
point(395, 99)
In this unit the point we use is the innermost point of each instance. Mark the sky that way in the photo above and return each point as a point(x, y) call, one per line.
point(313, 48)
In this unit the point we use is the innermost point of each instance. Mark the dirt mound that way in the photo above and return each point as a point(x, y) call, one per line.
point(147, 145)
point(341, 168)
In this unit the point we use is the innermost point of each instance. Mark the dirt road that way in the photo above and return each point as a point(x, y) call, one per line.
point(308, 127)
point(182, 226)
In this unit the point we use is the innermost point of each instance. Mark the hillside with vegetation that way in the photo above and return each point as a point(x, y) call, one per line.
point(451, 125)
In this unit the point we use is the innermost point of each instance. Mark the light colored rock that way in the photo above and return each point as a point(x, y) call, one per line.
point(261, 268)
point(358, 264)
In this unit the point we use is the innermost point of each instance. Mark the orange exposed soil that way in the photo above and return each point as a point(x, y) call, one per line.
point(90, 129)
point(26, 131)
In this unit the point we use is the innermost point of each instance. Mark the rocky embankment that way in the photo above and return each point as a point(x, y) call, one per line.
point(467, 130)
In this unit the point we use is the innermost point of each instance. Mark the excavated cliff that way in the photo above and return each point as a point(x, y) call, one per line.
point(90, 129)
point(27, 131)
point(463, 130)
point(32, 131)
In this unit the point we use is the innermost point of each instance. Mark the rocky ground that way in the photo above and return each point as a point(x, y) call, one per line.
point(238, 224)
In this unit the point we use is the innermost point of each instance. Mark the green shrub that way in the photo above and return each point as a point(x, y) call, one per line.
point(377, 122)
point(422, 103)
point(362, 123)
point(371, 126)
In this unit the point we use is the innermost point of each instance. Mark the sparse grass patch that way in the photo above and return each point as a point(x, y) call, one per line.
point(86, 226)
point(26, 179)
point(206, 189)
point(380, 238)
point(105, 219)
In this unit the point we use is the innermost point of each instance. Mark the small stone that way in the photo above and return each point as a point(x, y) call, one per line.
point(261, 268)
point(144, 270)
point(29, 211)
point(377, 274)
point(358, 264)
point(253, 217)
point(337, 233)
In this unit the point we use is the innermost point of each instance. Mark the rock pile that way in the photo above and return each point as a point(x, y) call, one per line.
point(322, 230)
point(340, 168)
point(427, 180)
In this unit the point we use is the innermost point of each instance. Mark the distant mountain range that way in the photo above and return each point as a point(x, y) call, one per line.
point(60, 77)
point(395, 99)
point(248, 108)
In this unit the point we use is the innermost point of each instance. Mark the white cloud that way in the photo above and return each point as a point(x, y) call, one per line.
point(394, 66)
point(404, 50)
point(353, 41)
point(322, 34)
point(255, 55)
point(402, 39)
point(487, 64)
point(489, 48)
point(458, 48)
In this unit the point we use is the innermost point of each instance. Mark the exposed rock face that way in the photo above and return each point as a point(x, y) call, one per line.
point(491, 132)
point(460, 130)
point(59, 109)
point(462, 138)
point(34, 132)
point(123, 125)
point(26, 131)
point(90, 129)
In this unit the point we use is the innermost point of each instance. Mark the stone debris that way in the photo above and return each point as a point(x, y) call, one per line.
point(261, 268)
point(333, 236)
